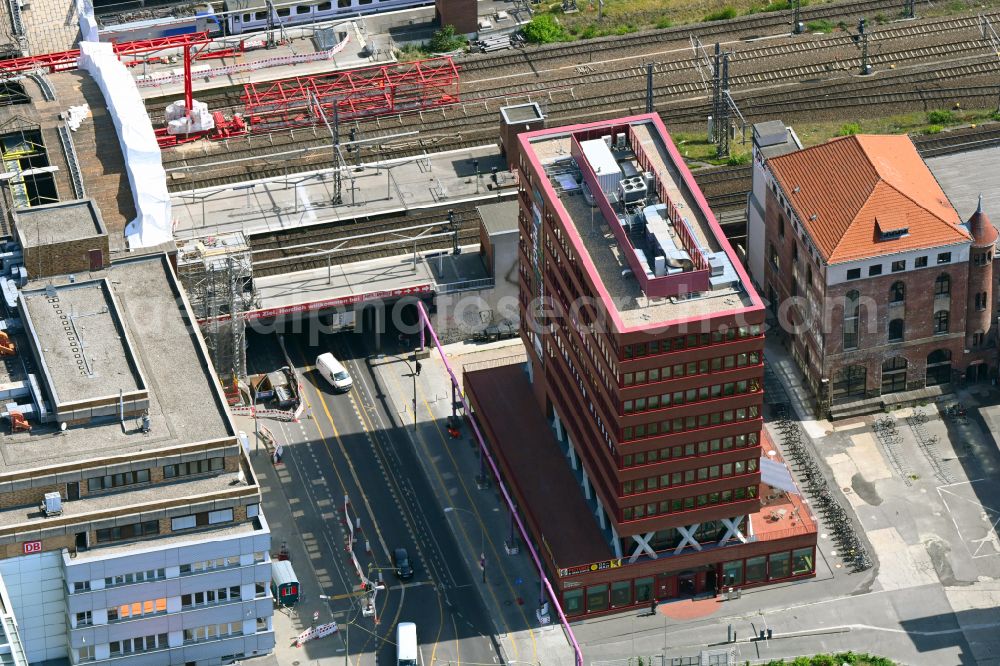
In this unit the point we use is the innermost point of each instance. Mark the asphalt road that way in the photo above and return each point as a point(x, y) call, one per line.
point(352, 446)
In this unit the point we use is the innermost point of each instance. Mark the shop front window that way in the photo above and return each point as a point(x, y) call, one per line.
point(643, 589)
point(780, 565)
point(597, 598)
point(756, 568)
point(802, 561)
point(621, 593)
point(732, 573)
point(573, 602)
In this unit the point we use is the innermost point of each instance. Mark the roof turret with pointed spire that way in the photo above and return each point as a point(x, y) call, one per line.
point(982, 230)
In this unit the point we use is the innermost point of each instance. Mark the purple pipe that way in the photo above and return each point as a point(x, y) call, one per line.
point(503, 488)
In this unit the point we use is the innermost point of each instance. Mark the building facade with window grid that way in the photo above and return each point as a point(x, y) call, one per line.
point(160, 531)
point(878, 286)
point(650, 375)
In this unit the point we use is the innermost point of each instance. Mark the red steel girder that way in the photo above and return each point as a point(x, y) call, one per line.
point(360, 92)
point(65, 60)
point(161, 43)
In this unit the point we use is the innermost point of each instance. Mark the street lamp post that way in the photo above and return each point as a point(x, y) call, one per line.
point(347, 635)
point(482, 538)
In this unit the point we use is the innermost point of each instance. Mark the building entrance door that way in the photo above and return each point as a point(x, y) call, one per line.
point(687, 584)
point(710, 581)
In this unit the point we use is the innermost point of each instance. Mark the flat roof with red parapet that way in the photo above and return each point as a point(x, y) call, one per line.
point(535, 466)
point(655, 254)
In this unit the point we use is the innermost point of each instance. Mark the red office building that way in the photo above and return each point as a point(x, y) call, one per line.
point(632, 437)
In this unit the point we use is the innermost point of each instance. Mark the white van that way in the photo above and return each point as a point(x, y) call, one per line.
point(334, 372)
point(406, 644)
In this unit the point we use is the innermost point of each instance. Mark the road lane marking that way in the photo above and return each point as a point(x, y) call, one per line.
point(498, 607)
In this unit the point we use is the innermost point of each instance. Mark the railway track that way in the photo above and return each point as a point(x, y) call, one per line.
point(308, 247)
point(725, 188)
point(728, 187)
point(531, 56)
point(478, 125)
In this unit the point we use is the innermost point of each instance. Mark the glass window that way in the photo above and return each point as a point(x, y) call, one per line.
point(942, 285)
point(802, 561)
point(756, 569)
point(872, 271)
point(944, 258)
point(621, 593)
point(853, 273)
point(732, 573)
point(597, 598)
point(573, 602)
point(920, 262)
point(643, 589)
point(780, 565)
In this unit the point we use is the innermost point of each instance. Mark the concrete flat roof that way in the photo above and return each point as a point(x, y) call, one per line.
point(216, 532)
point(521, 113)
point(952, 173)
point(625, 295)
point(186, 405)
point(84, 350)
point(58, 223)
point(499, 218)
point(130, 495)
point(275, 204)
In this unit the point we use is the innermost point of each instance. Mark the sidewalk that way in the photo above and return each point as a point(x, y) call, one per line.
point(512, 589)
point(290, 622)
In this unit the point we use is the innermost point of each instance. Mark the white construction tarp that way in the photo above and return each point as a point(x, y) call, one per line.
point(88, 24)
point(140, 150)
point(776, 475)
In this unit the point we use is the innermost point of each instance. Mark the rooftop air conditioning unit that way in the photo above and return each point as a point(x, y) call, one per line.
point(53, 504)
point(607, 139)
point(620, 141)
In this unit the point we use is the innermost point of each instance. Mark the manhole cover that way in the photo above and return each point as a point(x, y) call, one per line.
point(847, 491)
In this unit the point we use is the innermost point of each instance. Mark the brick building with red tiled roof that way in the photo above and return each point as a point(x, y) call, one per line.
point(877, 284)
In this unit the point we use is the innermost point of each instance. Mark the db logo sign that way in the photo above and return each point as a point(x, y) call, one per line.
point(32, 547)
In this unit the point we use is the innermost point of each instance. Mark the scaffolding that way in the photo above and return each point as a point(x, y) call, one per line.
point(357, 93)
point(217, 274)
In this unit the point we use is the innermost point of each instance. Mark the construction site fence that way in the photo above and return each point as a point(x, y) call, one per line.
point(153, 80)
point(276, 414)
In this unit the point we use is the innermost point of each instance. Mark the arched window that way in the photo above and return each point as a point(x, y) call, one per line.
point(852, 309)
point(894, 375)
point(938, 367)
point(852, 304)
point(897, 292)
point(941, 321)
point(942, 285)
point(896, 330)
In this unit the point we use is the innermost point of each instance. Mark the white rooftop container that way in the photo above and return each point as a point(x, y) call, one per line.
point(603, 162)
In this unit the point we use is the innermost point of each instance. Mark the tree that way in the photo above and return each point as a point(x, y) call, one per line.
point(445, 40)
point(544, 29)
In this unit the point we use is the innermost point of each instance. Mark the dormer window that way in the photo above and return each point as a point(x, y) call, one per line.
point(890, 229)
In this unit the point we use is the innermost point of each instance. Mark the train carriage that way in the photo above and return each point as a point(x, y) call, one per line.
point(251, 15)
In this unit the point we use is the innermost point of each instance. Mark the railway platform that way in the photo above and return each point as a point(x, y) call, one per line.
point(306, 199)
point(300, 51)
